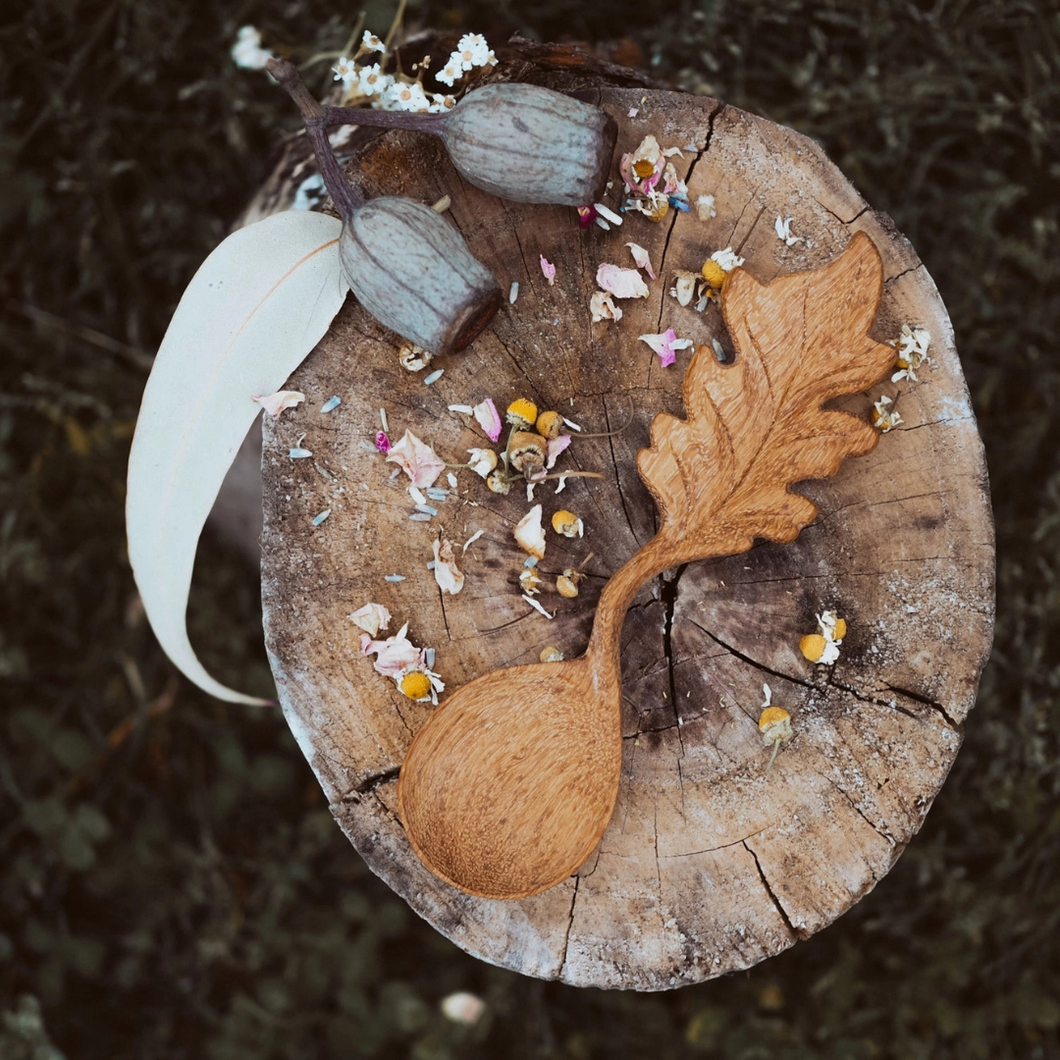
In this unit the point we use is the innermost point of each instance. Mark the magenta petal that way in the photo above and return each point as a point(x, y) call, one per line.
point(382, 442)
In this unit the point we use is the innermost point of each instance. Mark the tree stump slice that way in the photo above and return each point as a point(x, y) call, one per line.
point(710, 863)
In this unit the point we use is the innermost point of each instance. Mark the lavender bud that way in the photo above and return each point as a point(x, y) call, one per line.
point(531, 144)
point(411, 269)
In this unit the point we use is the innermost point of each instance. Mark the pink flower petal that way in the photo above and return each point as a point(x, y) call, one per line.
point(549, 270)
point(489, 419)
point(382, 442)
point(665, 345)
point(393, 655)
point(555, 446)
point(640, 256)
point(622, 283)
point(417, 460)
point(586, 216)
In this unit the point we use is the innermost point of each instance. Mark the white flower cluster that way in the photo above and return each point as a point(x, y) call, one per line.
point(247, 51)
point(384, 90)
point(471, 51)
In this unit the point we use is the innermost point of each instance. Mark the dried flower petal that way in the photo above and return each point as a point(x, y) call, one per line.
point(665, 345)
point(382, 442)
point(274, 404)
point(449, 577)
point(548, 270)
point(395, 656)
point(529, 533)
point(489, 419)
point(371, 618)
point(482, 461)
point(911, 346)
point(885, 419)
point(622, 283)
point(602, 307)
point(416, 459)
point(555, 447)
point(782, 227)
point(684, 286)
point(640, 256)
point(705, 207)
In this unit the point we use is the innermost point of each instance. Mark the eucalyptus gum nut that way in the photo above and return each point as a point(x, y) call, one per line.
point(531, 144)
point(411, 269)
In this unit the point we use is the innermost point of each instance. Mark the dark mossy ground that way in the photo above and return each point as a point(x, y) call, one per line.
point(171, 883)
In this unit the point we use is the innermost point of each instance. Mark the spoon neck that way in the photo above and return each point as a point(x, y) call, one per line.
point(623, 586)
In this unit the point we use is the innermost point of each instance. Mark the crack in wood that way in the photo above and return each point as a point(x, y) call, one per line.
point(754, 662)
point(618, 478)
point(369, 785)
point(720, 846)
point(904, 272)
point(918, 697)
point(772, 895)
point(669, 599)
point(878, 829)
point(570, 925)
point(841, 220)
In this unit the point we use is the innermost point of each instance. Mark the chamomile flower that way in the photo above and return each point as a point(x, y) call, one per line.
point(450, 73)
point(885, 419)
point(372, 81)
point(774, 723)
point(440, 104)
point(473, 51)
point(371, 43)
point(400, 96)
point(346, 71)
point(823, 646)
point(911, 346)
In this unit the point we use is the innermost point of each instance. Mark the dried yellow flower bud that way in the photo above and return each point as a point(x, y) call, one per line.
point(567, 582)
point(812, 646)
point(416, 685)
point(566, 587)
point(567, 524)
point(550, 425)
point(527, 452)
point(551, 654)
point(498, 482)
point(659, 209)
point(530, 581)
point(522, 413)
point(774, 724)
point(713, 273)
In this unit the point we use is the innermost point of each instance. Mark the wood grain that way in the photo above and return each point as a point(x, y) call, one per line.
point(511, 783)
point(708, 864)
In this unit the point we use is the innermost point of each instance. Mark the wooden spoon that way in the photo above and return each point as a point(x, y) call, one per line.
point(509, 786)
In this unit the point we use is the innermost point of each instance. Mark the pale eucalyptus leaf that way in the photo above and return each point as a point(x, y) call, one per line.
point(256, 307)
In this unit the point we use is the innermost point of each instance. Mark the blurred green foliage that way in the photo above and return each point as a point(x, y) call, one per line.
point(171, 883)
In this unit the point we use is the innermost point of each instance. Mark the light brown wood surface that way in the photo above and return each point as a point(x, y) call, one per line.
point(709, 863)
point(492, 800)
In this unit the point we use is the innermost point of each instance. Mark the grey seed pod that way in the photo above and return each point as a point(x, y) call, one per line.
point(531, 144)
point(411, 269)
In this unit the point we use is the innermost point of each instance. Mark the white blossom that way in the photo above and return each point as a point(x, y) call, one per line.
point(247, 51)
